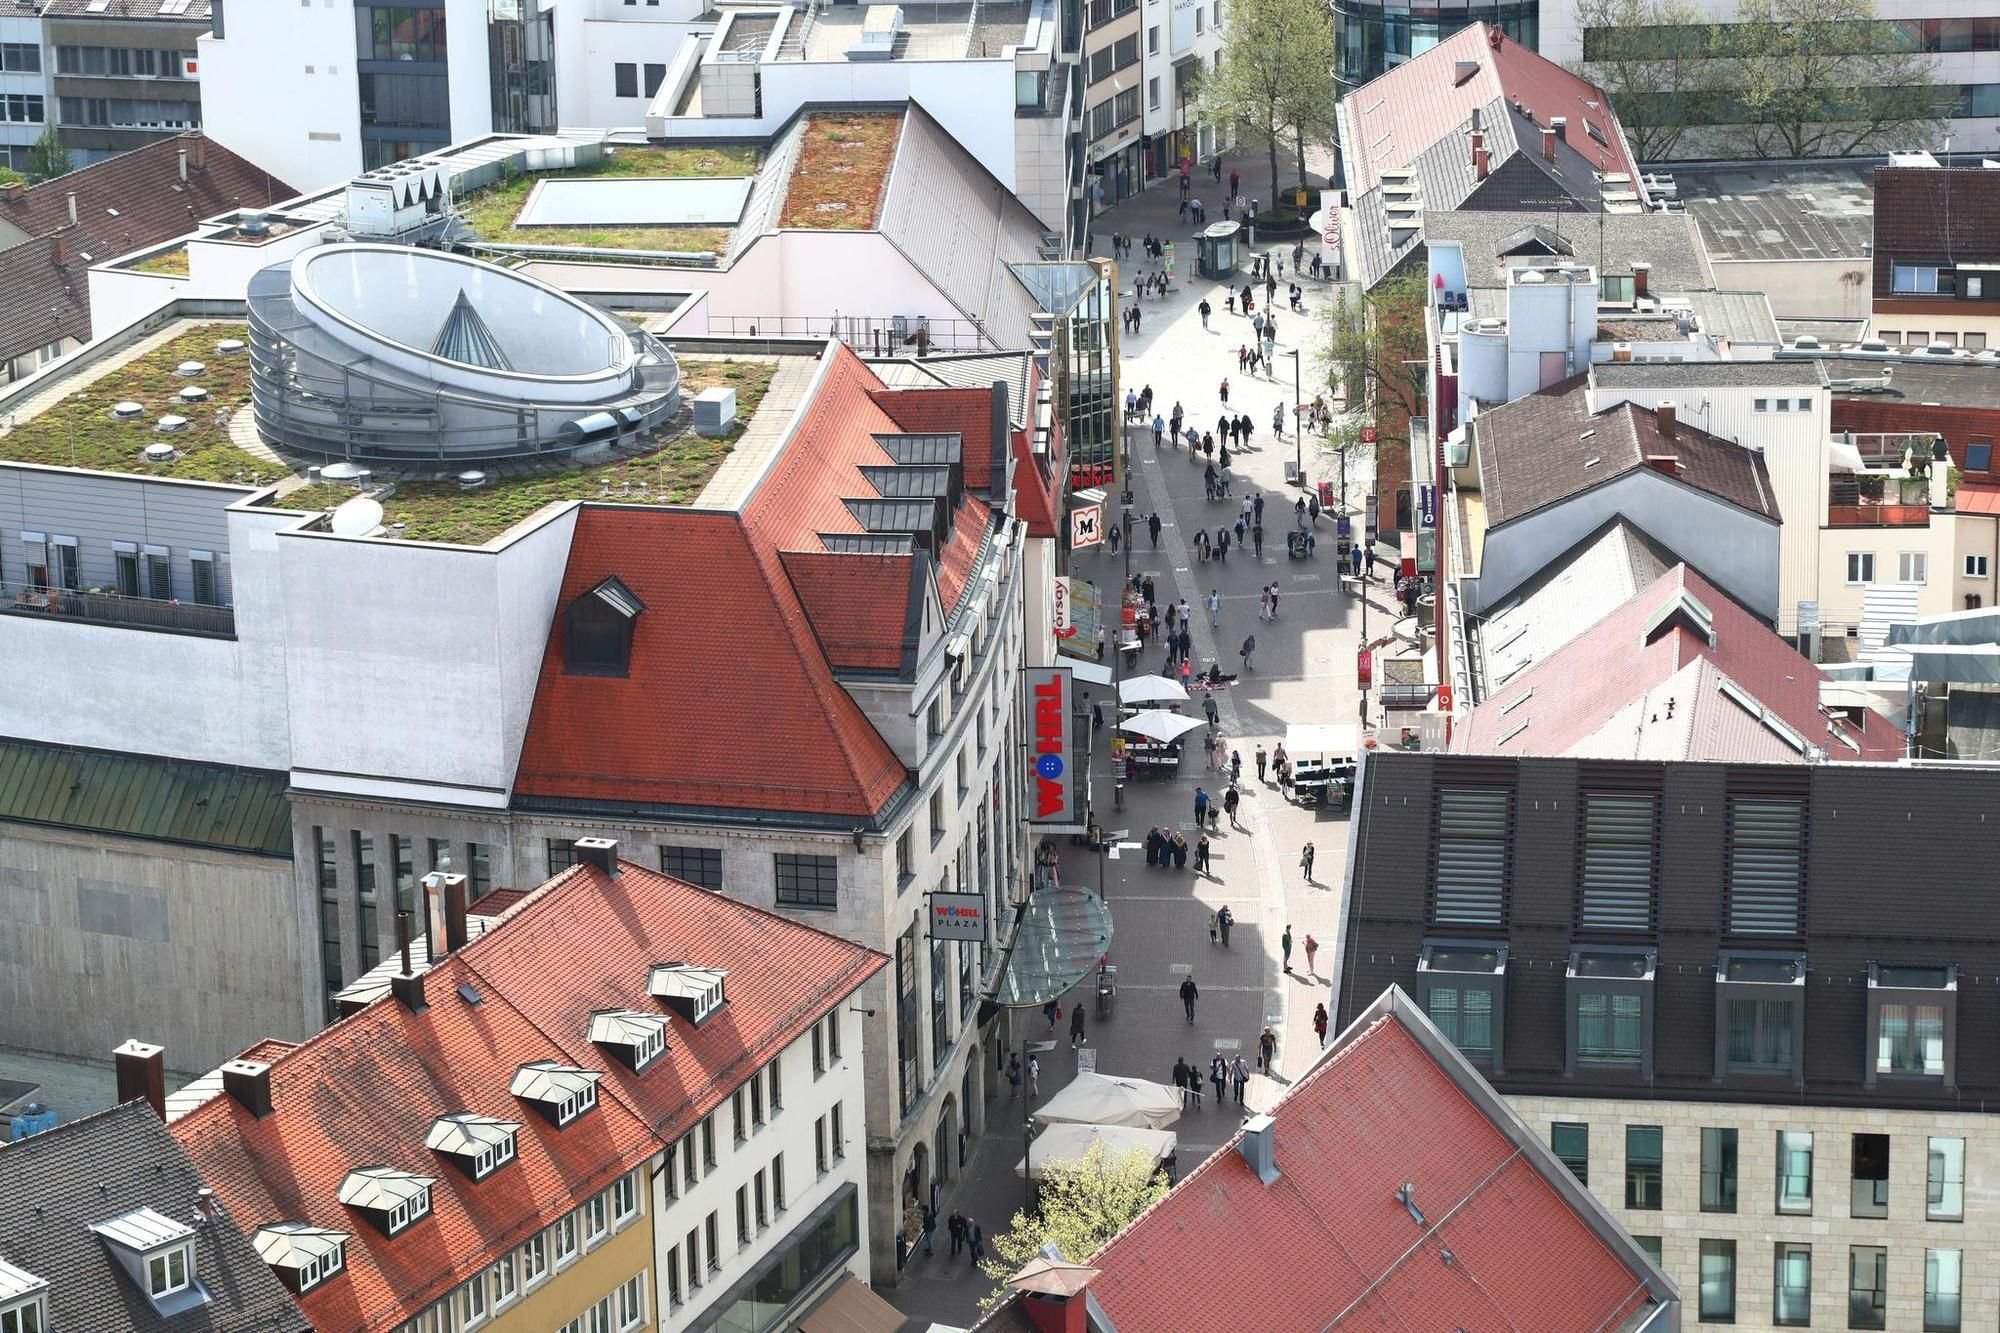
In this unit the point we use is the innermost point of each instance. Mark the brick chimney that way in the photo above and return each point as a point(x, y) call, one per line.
point(1669, 420)
point(1640, 273)
point(1055, 1314)
point(142, 1072)
point(62, 248)
point(1478, 145)
point(408, 985)
point(200, 158)
point(1549, 143)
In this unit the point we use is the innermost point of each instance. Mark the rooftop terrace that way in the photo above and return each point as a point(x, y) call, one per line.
point(492, 211)
point(929, 32)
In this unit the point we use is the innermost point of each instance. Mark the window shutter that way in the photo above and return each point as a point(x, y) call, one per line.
point(1766, 865)
point(1472, 854)
point(1619, 832)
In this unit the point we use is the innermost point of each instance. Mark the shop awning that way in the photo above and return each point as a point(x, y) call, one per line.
point(1063, 934)
point(851, 1308)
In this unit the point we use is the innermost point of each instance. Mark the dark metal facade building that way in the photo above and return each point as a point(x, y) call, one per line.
point(1819, 935)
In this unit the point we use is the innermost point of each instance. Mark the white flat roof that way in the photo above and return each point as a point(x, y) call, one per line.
point(635, 201)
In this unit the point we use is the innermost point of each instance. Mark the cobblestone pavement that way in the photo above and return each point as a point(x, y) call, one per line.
point(1304, 672)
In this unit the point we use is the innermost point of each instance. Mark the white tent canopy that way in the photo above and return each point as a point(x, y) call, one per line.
point(1105, 1099)
point(1069, 1143)
point(1310, 740)
point(1160, 725)
point(1151, 690)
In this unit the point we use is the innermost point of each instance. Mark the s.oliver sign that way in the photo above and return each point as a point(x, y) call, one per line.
point(1052, 775)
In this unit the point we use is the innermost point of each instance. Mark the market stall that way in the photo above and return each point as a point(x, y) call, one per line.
point(1323, 758)
point(1110, 1099)
point(1072, 1142)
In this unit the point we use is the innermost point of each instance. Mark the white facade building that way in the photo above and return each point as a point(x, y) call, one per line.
point(26, 106)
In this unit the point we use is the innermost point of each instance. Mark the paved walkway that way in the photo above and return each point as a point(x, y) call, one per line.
point(1304, 673)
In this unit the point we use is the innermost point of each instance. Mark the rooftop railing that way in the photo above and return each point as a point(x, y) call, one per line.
point(120, 612)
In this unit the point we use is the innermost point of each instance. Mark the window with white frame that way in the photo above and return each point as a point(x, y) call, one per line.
point(839, 1139)
point(170, 1271)
point(632, 1302)
point(596, 1218)
point(625, 1198)
point(535, 1260)
point(472, 1304)
point(1761, 405)
point(674, 1291)
point(774, 1090)
point(819, 1145)
point(1918, 278)
point(1975, 566)
point(565, 1237)
point(1860, 567)
point(1912, 567)
point(504, 1282)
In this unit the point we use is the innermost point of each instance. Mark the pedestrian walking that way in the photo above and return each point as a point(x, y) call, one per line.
point(1262, 760)
point(1200, 804)
point(1114, 538)
point(1205, 310)
point(1225, 918)
point(1257, 508)
point(1225, 390)
point(956, 1226)
point(1312, 952)
point(1013, 1075)
point(1267, 1051)
point(1249, 649)
point(1153, 529)
point(1218, 1074)
point(1212, 930)
point(930, 1227)
point(1201, 855)
point(1189, 994)
point(1208, 709)
point(1274, 590)
point(978, 1242)
point(1319, 1024)
point(1214, 607)
point(1239, 1075)
point(1285, 946)
point(1257, 539)
point(1306, 862)
point(1034, 1078)
point(1052, 1011)
point(1235, 181)
point(1235, 766)
point(1263, 604)
point(1075, 1026)
point(1184, 1078)
point(1239, 530)
point(1159, 429)
point(1230, 799)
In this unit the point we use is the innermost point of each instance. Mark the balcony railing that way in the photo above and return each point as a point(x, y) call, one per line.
point(112, 609)
point(1878, 516)
point(868, 335)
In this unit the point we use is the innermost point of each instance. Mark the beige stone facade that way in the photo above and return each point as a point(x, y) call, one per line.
point(1907, 1233)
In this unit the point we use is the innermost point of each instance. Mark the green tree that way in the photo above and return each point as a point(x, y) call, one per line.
point(1083, 1204)
point(1825, 78)
point(1373, 348)
point(1648, 56)
point(48, 157)
point(8, 176)
point(1276, 77)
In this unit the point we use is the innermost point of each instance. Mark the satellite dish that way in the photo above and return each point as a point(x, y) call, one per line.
point(339, 472)
point(357, 518)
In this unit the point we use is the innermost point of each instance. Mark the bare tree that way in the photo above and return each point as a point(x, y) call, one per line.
point(1823, 78)
point(1647, 55)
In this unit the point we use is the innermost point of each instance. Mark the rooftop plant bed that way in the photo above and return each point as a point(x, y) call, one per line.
point(491, 211)
point(673, 473)
point(81, 432)
point(836, 183)
point(173, 263)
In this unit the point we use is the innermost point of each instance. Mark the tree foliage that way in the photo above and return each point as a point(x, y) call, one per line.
point(1374, 348)
point(1655, 87)
point(1814, 78)
point(1083, 1204)
point(1276, 77)
point(48, 157)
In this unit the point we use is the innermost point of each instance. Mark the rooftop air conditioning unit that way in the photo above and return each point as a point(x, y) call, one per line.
point(714, 412)
point(879, 29)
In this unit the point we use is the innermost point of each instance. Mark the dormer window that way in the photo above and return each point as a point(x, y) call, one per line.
point(478, 1145)
point(304, 1257)
point(694, 993)
point(597, 630)
point(158, 1254)
point(393, 1201)
point(560, 1092)
point(636, 1039)
point(24, 1300)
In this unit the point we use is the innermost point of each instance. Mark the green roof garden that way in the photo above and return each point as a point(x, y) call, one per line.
point(491, 212)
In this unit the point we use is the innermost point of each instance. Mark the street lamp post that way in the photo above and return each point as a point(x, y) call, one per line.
point(1298, 422)
point(1029, 1049)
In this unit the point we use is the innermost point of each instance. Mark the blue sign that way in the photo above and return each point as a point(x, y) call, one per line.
point(1427, 506)
point(1344, 527)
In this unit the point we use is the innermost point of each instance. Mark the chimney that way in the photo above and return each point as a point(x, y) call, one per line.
point(1478, 119)
point(182, 154)
point(1560, 124)
point(142, 1072)
point(1549, 143)
point(1257, 1147)
point(407, 986)
point(200, 152)
point(62, 248)
point(1667, 416)
point(1056, 1314)
point(1481, 159)
point(249, 1082)
point(13, 192)
point(70, 198)
point(1462, 72)
point(600, 852)
point(444, 913)
point(1640, 272)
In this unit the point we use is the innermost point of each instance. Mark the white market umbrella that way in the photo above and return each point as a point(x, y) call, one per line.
point(1151, 690)
point(1159, 725)
point(1071, 1143)
point(1105, 1099)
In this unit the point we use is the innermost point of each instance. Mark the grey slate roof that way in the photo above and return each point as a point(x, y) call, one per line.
point(1781, 210)
point(58, 1183)
point(1788, 374)
point(1611, 242)
point(1741, 317)
point(1912, 380)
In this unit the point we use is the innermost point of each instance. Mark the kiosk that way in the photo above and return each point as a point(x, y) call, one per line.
point(1215, 250)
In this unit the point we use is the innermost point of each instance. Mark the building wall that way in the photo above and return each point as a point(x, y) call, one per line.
point(317, 141)
point(1757, 1227)
point(1738, 550)
point(1800, 288)
point(182, 96)
point(597, 1273)
point(23, 28)
point(789, 1134)
point(586, 87)
point(1840, 601)
point(104, 938)
point(99, 508)
point(1973, 325)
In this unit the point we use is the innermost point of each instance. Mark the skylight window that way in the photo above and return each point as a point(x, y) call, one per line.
point(637, 1039)
point(478, 1145)
point(302, 1256)
point(692, 992)
point(392, 1200)
point(560, 1092)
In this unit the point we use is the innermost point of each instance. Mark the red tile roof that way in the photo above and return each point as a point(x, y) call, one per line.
point(1418, 104)
point(859, 606)
point(1610, 693)
point(1379, 1112)
point(731, 702)
point(969, 412)
point(366, 1091)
